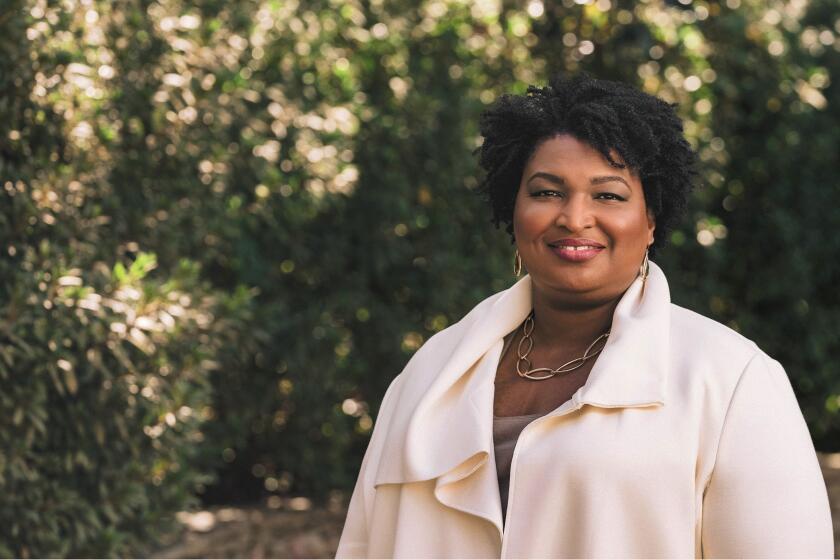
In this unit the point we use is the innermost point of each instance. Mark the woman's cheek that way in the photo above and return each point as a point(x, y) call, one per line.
point(534, 217)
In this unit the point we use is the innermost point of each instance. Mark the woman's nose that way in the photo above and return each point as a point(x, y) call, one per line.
point(575, 215)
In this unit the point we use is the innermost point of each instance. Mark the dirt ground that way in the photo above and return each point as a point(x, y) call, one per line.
point(293, 528)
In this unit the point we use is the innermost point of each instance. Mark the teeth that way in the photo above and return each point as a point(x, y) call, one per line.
point(580, 248)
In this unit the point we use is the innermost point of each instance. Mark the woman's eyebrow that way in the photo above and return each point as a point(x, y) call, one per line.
point(607, 179)
point(549, 177)
point(593, 181)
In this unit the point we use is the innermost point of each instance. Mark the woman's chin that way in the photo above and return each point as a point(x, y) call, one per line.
point(571, 283)
point(581, 287)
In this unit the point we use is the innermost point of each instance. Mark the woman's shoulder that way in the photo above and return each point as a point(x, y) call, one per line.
point(427, 361)
point(702, 339)
point(443, 343)
point(695, 324)
point(408, 387)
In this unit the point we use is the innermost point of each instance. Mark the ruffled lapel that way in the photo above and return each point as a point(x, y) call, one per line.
point(437, 424)
point(442, 427)
point(632, 369)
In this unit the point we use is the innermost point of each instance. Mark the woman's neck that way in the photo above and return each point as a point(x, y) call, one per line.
point(558, 324)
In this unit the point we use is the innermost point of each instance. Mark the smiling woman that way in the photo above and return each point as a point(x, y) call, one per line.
point(622, 425)
point(573, 205)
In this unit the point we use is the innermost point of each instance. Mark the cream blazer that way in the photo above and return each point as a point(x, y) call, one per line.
point(686, 440)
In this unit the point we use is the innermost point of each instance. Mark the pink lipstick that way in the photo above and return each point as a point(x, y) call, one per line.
point(577, 249)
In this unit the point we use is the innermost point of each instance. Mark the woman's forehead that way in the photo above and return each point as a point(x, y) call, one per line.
point(566, 150)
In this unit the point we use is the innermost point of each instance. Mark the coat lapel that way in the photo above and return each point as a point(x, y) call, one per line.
point(632, 369)
point(442, 427)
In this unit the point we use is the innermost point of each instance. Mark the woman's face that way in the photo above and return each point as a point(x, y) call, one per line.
point(570, 196)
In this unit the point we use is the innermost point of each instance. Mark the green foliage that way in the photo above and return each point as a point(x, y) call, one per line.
point(104, 366)
point(226, 225)
point(104, 392)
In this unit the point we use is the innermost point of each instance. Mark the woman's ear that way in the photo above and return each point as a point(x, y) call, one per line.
point(651, 225)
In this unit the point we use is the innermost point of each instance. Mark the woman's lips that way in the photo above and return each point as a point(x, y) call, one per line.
point(576, 253)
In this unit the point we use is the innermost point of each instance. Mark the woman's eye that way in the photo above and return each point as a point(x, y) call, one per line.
point(547, 193)
point(610, 196)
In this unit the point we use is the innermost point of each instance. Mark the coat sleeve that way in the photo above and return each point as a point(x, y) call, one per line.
point(353, 542)
point(766, 497)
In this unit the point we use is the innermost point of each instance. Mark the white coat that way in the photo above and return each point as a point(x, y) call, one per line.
point(686, 440)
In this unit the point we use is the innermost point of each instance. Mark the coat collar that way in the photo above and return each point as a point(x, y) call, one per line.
point(441, 427)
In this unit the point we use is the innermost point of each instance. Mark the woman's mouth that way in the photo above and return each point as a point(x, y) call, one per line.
point(576, 251)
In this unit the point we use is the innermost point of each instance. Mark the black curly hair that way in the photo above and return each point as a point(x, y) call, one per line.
point(642, 129)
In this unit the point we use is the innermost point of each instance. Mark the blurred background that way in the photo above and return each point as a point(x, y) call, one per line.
point(225, 227)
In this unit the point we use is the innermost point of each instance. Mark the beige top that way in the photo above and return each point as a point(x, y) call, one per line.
point(506, 430)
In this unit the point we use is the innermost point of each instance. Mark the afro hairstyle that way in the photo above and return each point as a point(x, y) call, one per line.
point(642, 129)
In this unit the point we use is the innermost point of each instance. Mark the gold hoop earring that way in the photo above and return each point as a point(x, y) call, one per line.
point(644, 270)
point(517, 264)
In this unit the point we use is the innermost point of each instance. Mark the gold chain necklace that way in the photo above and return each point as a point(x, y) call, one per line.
point(527, 329)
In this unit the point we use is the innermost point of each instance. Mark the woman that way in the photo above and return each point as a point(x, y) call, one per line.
point(580, 413)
